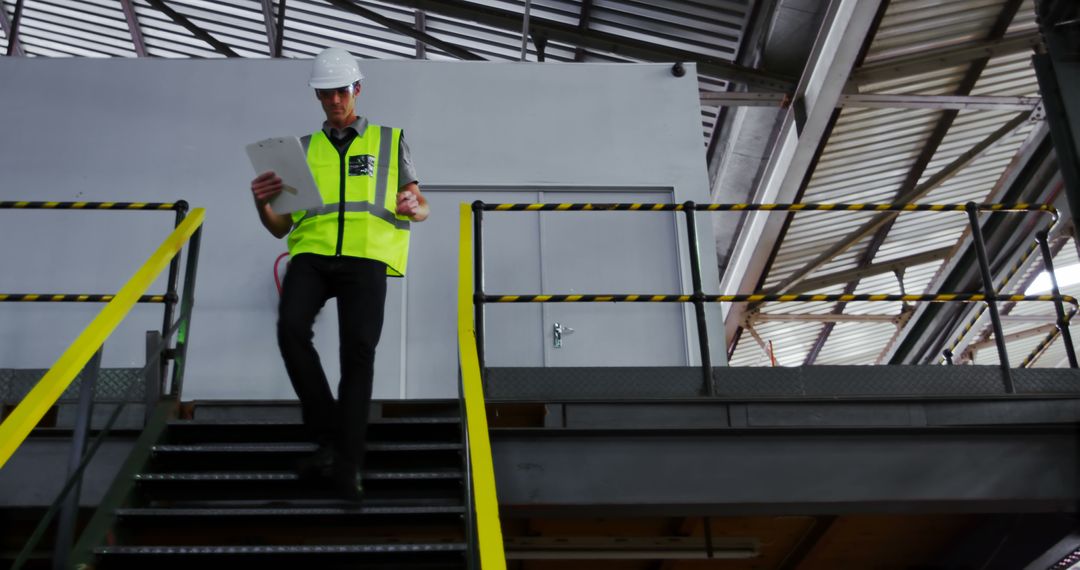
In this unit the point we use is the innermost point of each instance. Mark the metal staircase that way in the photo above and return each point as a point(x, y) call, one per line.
point(223, 494)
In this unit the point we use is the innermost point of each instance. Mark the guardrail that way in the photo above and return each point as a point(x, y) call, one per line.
point(84, 355)
point(698, 298)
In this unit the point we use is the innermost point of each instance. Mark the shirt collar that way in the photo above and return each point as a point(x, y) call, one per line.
point(359, 125)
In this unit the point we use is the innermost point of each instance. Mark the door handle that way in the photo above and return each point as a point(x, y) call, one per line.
point(558, 331)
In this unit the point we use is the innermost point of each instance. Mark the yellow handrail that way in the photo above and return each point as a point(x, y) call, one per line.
point(489, 532)
point(51, 386)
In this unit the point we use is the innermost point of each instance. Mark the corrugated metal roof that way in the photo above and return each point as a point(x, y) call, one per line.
point(98, 28)
point(867, 157)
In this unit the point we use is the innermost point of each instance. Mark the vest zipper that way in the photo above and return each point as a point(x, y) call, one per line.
point(341, 200)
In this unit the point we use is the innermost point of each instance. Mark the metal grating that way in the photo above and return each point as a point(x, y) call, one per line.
point(114, 384)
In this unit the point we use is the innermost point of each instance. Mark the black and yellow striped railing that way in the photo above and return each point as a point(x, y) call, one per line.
point(642, 207)
point(18, 424)
point(129, 206)
point(698, 298)
point(68, 298)
point(760, 298)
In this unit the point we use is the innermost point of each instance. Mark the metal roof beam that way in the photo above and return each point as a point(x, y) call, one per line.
point(804, 128)
point(974, 71)
point(570, 34)
point(405, 30)
point(879, 101)
point(133, 28)
point(1041, 330)
point(421, 26)
point(844, 277)
point(268, 19)
point(808, 542)
point(943, 58)
point(878, 221)
point(279, 36)
point(823, 318)
point(954, 102)
point(193, 28)
point(583, 26)
point(970, 79)
point(11, 29)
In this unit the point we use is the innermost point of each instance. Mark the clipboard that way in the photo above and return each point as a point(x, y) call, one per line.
point(285, 156)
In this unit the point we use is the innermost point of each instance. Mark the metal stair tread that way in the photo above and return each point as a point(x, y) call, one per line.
point(299, 425)
point(287, 511)
point(292, 549)
point(291, 447)
point(291, 476)
point(317, 503)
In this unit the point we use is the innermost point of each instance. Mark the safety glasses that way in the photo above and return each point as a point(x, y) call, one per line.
point(328, 93)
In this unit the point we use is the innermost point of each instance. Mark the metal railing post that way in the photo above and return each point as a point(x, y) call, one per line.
point(478, 282)
point(1062, 322)
point(187, 301)
point(991, 295)
point(65, 530)
point(152, 377)
point(171, 284)
point(699, 297)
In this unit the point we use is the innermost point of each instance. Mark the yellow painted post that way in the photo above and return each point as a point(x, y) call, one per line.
point(488, 528)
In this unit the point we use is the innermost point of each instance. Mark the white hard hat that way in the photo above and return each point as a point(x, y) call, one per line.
point(334, 67)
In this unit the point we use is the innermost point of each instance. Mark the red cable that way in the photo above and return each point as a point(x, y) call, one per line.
point(277, 280)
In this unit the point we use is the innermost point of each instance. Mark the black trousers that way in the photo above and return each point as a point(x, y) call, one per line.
point(360, 288)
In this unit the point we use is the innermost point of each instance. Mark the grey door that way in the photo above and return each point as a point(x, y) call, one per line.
point(531, 253)
point(612, 252)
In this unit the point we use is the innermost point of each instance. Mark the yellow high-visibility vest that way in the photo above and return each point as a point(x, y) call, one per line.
point(359, 192)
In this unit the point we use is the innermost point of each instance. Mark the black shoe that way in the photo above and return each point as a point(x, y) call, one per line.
point(318, 465)
point(347, 480)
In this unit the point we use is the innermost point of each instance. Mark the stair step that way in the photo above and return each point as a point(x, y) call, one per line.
point(380, 556)
point(297, 549)
point(289, 511)
point(340, 525)
point(289, 476)
point(299, 425)
point(316, 503)
point(295, 447)
point(381, 430)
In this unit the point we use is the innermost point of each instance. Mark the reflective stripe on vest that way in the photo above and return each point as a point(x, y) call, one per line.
point(363, 176)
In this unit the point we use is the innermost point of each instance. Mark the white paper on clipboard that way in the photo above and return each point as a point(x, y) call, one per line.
point(285, 156)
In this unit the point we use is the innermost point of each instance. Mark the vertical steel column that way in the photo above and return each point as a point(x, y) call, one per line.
point(1062, 322)
point(13, 37)
point(170, 292)
point(991, 295)
point(699, 296)
point(65, 530)
point(525, 30)
point(187, 301)
point(478, 282)
point(279, 34)
point(1058, 73)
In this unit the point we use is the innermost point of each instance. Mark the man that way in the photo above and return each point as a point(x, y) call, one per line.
point(344, 249)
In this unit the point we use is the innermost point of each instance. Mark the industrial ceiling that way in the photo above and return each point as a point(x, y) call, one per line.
point(925, 102)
